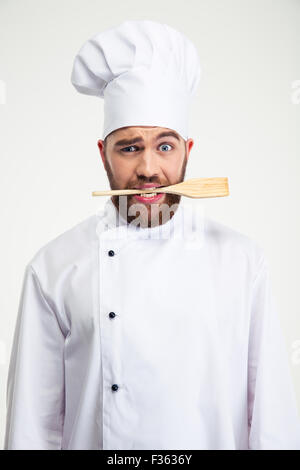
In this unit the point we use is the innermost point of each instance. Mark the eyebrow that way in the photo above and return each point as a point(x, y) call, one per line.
point(135, 140)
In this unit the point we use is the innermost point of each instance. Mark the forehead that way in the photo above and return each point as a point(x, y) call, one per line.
point(141, 132)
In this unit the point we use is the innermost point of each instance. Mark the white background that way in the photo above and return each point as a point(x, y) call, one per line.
point(245, 124)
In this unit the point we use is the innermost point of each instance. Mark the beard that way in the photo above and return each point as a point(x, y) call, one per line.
point(149, 215)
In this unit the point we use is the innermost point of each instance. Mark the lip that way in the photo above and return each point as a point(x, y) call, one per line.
point(147, 200)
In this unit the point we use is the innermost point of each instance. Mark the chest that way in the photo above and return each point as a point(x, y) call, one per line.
point(168, 302)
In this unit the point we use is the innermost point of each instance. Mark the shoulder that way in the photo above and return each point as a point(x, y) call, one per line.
point(67, 247)
point(234, 246)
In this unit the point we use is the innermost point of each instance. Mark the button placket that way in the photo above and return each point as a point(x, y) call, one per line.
point(111, 253)
point(110, 331)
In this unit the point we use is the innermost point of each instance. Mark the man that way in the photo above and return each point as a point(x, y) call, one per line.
point(128, 339)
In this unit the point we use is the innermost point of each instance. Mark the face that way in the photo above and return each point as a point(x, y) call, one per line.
point(139, 157)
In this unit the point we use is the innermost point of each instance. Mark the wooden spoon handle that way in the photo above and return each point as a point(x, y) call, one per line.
point(118, 192)
point(195, 188)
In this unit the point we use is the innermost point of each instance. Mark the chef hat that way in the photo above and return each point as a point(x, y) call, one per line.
point(146, 72)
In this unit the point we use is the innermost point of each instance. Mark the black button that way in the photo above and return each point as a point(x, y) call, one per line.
point(112, 314)
point(114, 387)
point(111, 253)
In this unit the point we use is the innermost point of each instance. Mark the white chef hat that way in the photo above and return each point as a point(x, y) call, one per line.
point(147, 73)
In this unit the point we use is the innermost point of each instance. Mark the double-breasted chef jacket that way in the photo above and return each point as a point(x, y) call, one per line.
point(129, 340)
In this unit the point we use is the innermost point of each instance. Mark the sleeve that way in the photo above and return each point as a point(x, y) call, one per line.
point(35, 384)
point(273, 416)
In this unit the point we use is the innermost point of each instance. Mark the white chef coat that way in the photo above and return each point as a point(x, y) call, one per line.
point(194, 351)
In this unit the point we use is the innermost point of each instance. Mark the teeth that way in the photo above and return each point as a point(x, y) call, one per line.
point(148, 194)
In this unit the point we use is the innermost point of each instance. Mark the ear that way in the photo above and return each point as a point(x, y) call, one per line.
point(100, 145)
point(188, 145)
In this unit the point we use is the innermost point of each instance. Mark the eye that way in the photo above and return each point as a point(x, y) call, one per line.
point(125, 149)
point(164, 145)
point(130, 147)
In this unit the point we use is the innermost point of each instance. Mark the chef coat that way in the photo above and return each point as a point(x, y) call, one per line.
point(126, 339)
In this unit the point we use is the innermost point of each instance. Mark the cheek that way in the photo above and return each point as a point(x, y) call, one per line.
point(172, 168)
point(121, 169)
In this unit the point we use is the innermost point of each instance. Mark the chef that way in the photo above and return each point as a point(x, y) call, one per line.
point(127, 339)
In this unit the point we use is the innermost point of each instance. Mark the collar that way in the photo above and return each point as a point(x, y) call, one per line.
point(188, 222)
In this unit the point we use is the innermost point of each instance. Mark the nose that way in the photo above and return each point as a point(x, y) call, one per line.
point(147, 164)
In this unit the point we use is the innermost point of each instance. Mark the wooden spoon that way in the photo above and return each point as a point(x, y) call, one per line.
point(195, 188)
